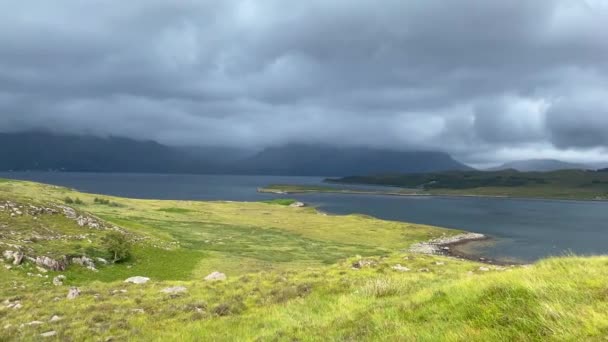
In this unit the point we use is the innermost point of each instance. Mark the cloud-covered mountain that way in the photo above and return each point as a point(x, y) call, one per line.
point(46, 151)
point(315, 160)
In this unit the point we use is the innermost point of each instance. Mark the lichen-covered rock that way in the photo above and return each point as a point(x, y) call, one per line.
point(73, 293)
point(18, 257)
point(50, 263)
point(8, 255)
point(84, 261)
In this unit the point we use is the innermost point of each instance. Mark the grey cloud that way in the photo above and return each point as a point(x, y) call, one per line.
point(475, 78)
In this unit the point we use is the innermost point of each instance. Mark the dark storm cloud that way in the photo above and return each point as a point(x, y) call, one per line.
point(485, 80)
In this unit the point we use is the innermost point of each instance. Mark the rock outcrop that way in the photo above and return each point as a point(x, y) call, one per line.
point(84, 261)
point(51, 264)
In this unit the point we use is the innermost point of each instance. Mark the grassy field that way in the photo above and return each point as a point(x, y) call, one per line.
point(565, 184)
point(293, 274)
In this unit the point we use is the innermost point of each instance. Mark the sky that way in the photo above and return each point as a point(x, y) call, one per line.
point(487, 81)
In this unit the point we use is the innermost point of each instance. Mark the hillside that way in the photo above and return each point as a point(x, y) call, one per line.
point(540, 165)
point(565, 184)
point(312, 160)
point(52, 152)
point(290, 274)
point(42, 151)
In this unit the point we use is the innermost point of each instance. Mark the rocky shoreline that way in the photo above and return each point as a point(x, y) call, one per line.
point(445, 246)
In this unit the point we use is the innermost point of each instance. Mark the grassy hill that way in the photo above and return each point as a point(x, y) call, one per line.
point(292, 274)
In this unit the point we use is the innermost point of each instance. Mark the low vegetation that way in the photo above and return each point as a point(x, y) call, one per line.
point(565, 184)
point(281, 201)
point(284, 274)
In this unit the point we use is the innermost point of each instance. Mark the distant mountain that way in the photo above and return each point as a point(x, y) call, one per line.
point(541, 165)
point(316, 160)
point(56, 152)
point(43, 151)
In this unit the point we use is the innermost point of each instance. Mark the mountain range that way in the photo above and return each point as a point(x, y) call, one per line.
point(45, 151)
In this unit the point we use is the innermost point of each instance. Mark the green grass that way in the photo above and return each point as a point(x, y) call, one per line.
point(281, 201)
point(290, 277)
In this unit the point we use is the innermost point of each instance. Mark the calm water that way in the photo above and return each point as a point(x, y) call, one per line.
point(523, 230)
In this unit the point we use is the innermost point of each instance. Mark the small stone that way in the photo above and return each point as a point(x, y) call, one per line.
point(17, 306)
point(364, 263)
point(55, 318)
point(424, 270)
point(58, 280)
point(439, 263)
point(215, 276)
point(73, 293)
point(484, 269)
point(34, 323)
point(400, 268)
point(174, 290)
point(49, 334)
point(137, 280)
point(297, 205)
point(102, 261)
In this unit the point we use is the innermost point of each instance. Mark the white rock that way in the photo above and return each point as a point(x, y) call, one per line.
point(49, 334)
point(297, 205)
point(215, 276)
point(73, 293)
point(34, 323)
point(174, 290)
point(102, 261)
point(55, 318)
point(400, 268)
point(137, 280)
point(484, 269)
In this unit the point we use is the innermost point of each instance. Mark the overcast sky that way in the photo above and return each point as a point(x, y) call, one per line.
point(487, 81)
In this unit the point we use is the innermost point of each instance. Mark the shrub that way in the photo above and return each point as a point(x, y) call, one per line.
point(117, 245)
point(68, 200)
point(103, 201)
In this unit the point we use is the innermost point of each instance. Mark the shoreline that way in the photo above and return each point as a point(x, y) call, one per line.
point(445, 246)
point(399, 194)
